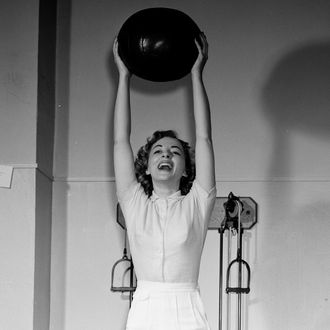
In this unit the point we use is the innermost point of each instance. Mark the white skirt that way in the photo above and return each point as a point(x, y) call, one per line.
point(167, 306)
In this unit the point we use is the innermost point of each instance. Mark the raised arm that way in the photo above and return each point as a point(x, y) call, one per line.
point(123, 155)
point(204, 154)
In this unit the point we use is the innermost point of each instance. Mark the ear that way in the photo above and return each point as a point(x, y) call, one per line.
point(185, 174)
point(147, 172)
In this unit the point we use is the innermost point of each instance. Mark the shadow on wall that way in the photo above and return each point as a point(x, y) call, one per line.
point(297, 93)
point(61, 188)
point(296, 97)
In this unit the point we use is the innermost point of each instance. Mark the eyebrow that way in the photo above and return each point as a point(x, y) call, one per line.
point(177, 147)
point(159, 145)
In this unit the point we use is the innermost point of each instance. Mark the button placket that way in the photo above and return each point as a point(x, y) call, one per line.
point(163, 209)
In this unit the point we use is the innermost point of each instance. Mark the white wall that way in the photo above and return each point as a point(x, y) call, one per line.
point(26, 144)
point(17, 252)
point(268, 81)
point(18, 112)
point(18, 67)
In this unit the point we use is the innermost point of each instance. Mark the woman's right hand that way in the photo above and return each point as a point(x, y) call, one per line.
point(202, 46)
point(122, 69)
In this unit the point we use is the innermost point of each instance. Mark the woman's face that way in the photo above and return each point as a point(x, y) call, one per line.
point(166, 160)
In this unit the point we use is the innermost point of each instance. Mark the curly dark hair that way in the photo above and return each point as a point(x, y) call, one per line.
point(141, 163)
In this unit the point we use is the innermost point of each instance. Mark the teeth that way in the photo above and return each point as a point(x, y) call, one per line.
point(165, 165)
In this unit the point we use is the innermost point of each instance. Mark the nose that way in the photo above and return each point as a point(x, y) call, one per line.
point(166, 154)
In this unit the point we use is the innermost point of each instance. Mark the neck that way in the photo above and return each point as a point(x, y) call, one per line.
point(164, 189)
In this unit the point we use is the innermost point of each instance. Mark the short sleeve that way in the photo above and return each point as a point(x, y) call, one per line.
point(203, 193)
point(204, 199)
point(132, 201)
point(129, 192)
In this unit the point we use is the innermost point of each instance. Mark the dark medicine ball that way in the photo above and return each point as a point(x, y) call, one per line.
point(158, 44)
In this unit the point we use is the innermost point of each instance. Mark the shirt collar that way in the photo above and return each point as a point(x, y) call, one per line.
point(174, 196)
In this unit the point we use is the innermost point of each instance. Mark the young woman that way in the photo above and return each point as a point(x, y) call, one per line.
point(167, 199)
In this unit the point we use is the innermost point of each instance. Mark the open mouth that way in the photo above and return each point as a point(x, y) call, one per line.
point(166, 166)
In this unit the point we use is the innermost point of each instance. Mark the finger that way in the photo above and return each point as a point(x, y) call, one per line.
point(204, 43)
point(198, 44)
point(115, 46)
point(206, 48)
point(199, 48)
point(204, 40)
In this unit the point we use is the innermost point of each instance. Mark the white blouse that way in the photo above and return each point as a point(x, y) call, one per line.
point(167, 235)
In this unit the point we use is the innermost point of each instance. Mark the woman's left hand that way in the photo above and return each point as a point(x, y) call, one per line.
point(202, 57)
point(123, 70)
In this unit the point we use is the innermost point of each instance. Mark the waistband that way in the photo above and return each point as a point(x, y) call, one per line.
point(167, 286)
